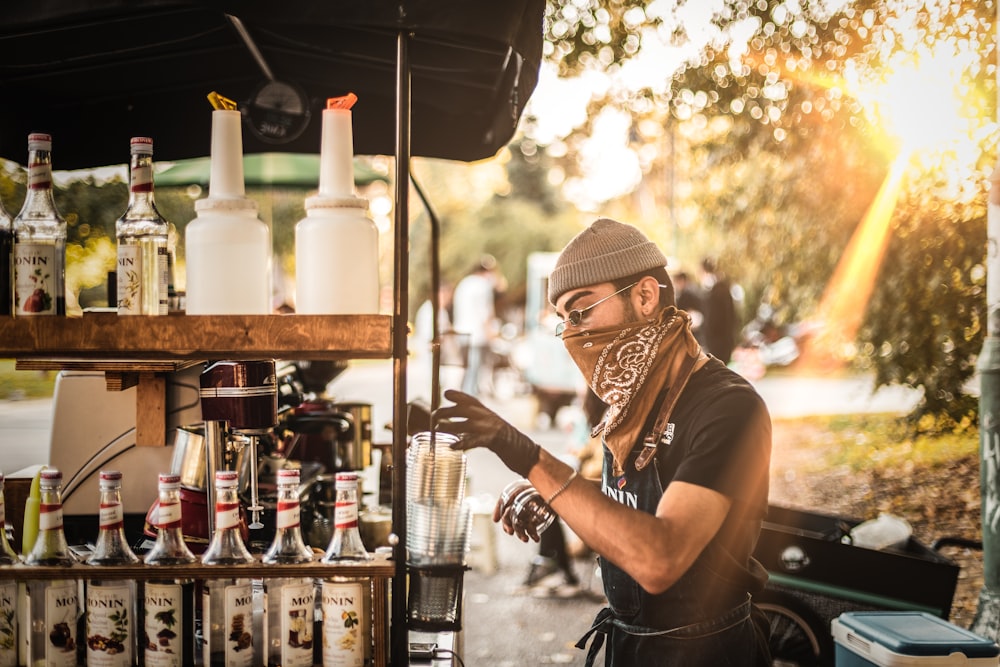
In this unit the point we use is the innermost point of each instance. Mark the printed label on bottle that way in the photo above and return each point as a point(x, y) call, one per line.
point(50, 517)
point(142, 178)
point(8, 622)
point(297, 608)
point(227, 515)
point(61, 611)
point(168, 516)
point(36, 270)
point(164, 626)
point(109, 625)
point(129, 279)
point(288, 514)
point(239, 626)
point(111, 516)
point(40, 175)
point(345, 515)
point(343, 627)
point(163, 271)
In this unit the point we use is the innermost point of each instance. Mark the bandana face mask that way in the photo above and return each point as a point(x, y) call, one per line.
point(627, 366)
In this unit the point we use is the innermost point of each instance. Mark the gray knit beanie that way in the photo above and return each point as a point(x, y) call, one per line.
point(604, 252)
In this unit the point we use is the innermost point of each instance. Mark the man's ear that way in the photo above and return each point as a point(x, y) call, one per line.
point(649, 296)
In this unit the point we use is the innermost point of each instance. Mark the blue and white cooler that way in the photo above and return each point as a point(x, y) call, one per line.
point(907, 639)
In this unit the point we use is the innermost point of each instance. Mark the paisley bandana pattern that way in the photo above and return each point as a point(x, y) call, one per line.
point(628, 366)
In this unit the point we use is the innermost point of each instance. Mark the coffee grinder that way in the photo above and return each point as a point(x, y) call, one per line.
point(239, 403)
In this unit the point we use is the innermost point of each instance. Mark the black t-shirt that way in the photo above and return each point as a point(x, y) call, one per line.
point(722, 441)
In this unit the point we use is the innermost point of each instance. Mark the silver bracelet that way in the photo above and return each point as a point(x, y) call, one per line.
point(562, 488)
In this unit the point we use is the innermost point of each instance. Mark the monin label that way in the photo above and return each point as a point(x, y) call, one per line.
point(343, 606)
point(61, 611)
point(164, 624)
point(8, 621)
point(297, 605)
point(109, 625)
point(35, 274)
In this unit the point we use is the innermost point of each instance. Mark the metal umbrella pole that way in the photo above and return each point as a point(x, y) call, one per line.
point(398, 631)
point(987, 620)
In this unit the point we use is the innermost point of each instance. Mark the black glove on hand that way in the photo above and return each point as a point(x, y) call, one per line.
point(478, 426)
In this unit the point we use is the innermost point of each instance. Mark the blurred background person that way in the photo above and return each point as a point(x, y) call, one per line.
point(720, 312)
point(474, 312)
point(690, 300)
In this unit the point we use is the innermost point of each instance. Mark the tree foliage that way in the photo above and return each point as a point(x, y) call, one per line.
point(784, 159)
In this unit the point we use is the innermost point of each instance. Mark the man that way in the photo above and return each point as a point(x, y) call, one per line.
point(688, 299)
point(720, 312)
point(474, 310)
point(686, 446)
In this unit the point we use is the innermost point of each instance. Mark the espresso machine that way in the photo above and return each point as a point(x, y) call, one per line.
point(239, 405)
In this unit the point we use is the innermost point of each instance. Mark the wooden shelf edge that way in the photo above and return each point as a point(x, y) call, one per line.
point(198, 337)
point(381, 566)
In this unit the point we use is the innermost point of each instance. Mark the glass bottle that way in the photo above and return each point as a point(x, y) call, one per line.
point(168, 604)
point(142, 241)
point(39, 239)
point(111, 603)
point(227, 603)
point(6, 261)
point(8, 596)
point(290, 601)
point(346, 601)
point(53, 606)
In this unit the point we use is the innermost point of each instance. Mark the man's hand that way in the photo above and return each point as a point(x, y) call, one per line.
point(478, 426)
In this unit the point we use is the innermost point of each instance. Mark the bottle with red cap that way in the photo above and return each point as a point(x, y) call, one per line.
point(290, 601)
point(168, 637)
point(53, 606)
point(346, 601)
point(39, 239)
point(111, 603)
point(142, 240)
point(227, 604)
point(8, 595)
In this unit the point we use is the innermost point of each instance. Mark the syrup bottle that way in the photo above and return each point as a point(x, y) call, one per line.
point(53, 606)
point(168, 637)
point(111, 603)
point(39, 239)
point(227, 603)
point(8, 596)
point(142, 240)
point(290, 601)
point(346, 601)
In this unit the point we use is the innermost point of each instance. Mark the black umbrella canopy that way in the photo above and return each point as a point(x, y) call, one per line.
point(93, 73)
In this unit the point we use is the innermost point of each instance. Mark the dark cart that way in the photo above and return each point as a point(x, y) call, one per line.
point(815, 576)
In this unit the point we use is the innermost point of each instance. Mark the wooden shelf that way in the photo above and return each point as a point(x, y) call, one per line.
point(137, 351)
point(381, 566)
point(106, 336)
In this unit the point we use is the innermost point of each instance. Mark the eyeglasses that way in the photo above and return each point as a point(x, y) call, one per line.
point(575, 317)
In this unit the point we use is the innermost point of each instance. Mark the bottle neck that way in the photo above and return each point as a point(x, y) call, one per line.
point(288, 545)
point(39, 203)
point(170, 547)
point(50, 548)
point(111, 544)
point(140, 196)
point(227, 544)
